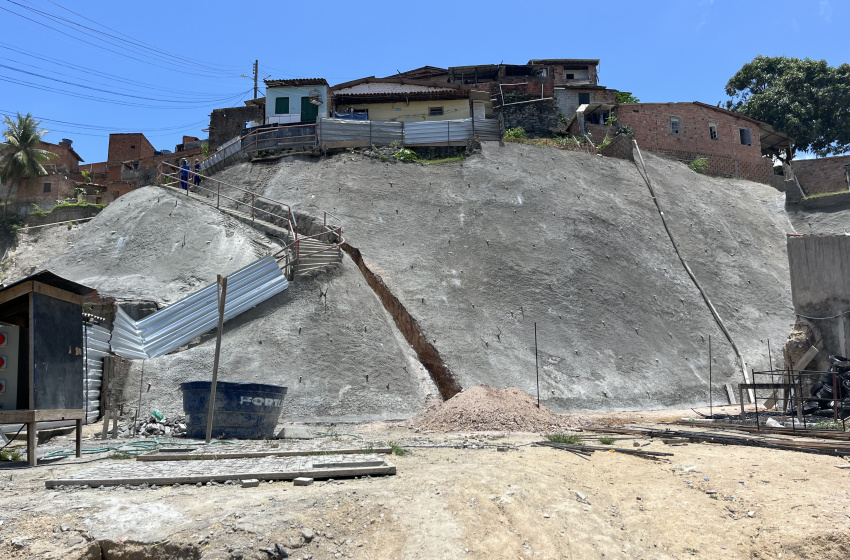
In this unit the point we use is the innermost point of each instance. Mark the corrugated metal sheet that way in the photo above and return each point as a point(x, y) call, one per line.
point(342, 132)
point(97, 348)
point(192, 316)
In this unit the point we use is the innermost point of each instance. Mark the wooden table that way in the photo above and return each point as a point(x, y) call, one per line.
point(30, 417)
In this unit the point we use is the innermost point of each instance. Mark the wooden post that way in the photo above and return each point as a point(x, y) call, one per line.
point(32, 442)
point(79, 441)
point(222, 294)
point(536, 366)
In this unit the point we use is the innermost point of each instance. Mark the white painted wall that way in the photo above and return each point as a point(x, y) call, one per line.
point(294, 94)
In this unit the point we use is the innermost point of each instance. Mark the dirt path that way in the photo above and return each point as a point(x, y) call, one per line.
point(445, 502)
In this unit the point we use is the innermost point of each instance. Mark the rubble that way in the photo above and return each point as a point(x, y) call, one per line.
point(153, 427)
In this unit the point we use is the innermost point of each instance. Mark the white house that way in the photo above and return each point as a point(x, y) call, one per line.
point(301, 100)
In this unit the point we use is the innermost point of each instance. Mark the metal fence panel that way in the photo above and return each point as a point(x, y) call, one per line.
point(97, 347)
point(189, 318)
point(343, 132)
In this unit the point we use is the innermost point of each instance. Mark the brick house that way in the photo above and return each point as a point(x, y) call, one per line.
point(734, 145)
point(58, 184)
point(823, 175)
point(536, 94)
point(132, 161)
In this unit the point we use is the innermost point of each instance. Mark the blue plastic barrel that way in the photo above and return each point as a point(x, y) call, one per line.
point(242, 410)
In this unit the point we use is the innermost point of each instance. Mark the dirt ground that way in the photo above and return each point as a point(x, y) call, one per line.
point(451, 501)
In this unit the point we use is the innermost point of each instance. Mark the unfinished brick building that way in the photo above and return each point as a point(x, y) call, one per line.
point(58, 184)
point(734, 145)
point(823, 175)
point(536, 94)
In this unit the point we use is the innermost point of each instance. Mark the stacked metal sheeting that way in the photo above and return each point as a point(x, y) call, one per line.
point(97, 347)
point(192, 316)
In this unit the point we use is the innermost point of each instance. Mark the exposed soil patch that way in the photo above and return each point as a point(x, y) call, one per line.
point(484, 408)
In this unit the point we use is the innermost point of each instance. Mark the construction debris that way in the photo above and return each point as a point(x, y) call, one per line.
point(582, 449)
point(767, 441)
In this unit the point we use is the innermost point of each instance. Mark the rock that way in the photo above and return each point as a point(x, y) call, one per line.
point(19, 542)
point(546, 516)
point(751, 514)
point(581, 497)
point(773, 423)
point(64, 528)
point(237, 553)
point(250, 483)
point(307, 534)
point(302, 481)
point(636, 444)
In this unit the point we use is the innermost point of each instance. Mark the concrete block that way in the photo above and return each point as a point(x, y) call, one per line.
point(302, 481)
point(250, 483)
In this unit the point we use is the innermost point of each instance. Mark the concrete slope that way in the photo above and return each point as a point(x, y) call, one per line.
point(327, 338)
point(479, 251)
point(152, 244)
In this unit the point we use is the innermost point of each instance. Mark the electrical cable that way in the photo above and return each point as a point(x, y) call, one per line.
point(8, 443)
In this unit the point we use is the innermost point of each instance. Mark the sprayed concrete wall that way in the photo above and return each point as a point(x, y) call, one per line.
point(820, 269)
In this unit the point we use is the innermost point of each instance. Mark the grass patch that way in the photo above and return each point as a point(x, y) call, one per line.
point(122, 455)
point(606, 440)
point(699, 165)
point(823, 194)
point(10, 455)
point(398, 449)
point(827, 425)
point(561, 437)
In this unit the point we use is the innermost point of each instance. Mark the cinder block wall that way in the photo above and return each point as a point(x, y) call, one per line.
point(727, 157)
point(228, 123)
point(823, 175)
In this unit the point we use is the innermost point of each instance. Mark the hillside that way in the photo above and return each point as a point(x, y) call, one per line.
point(476, 252)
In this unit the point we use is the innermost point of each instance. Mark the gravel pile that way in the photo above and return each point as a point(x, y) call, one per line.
point(484, 408)
point(153, 426)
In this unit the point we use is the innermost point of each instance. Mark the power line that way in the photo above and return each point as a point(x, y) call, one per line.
point(93, 127)
point(93, 71)
point(106, 49)
point(124, 34)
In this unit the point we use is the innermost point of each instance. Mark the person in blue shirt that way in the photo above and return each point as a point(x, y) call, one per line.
point(196, 178)
point(184, 174)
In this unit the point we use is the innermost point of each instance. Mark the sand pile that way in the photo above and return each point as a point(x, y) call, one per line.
point(484, 408)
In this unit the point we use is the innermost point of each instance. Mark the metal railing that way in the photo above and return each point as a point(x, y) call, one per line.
point(272, 211)
point(303, 135)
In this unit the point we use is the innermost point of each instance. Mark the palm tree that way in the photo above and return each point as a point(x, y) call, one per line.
point(21, 158)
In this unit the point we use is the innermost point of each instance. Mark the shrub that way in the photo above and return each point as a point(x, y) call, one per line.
point(406, 154)
point(606, 440)
point(626, 129)
point(700, 165)
point(561, 437)
point(518, 132)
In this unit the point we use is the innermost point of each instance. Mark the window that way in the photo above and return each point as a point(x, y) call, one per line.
point(674, 125)
point(435, 111)
point(847, 175)
point(47, 187)
point(583, 98)
point(746, 136)
point(712, 130)
point(132, 147)
point(281, 106)
point(569, 76)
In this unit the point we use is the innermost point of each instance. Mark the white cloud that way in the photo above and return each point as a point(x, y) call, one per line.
point(825, 10)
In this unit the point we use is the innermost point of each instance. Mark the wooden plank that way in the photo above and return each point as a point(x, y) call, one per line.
point(388, 469)
point(806, 358)
point(25, 416)
point(56, 293)
point(160, 456)
point(730, 394)
point(21, 289)
point(32, 444)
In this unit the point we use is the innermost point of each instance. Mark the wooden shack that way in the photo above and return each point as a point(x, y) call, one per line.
point(41, 354)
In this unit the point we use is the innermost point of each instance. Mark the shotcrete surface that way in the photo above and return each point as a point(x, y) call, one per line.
point(152, 244)
point(479, 251)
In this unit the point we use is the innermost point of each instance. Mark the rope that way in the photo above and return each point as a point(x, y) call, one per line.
point(699, 287)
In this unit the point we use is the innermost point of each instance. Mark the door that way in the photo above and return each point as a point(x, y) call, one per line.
point(309, 112)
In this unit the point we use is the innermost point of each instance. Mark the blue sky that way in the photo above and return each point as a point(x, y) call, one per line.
point(91, 67)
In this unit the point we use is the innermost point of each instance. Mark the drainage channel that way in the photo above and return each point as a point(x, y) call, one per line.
point(425, 351)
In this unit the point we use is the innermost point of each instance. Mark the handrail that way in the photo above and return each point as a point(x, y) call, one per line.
point(289, 218)
point(252, 145)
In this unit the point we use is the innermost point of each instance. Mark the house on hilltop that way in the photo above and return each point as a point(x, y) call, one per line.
point(734, 145)
point(297, 101)
point(538, 96)
point(405, 100)
point(58, 184)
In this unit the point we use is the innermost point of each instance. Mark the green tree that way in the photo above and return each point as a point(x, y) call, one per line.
point(20, 157)
point(626, 97)
point(806, 99)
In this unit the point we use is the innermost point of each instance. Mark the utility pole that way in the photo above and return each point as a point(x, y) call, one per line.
point(256, 71)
